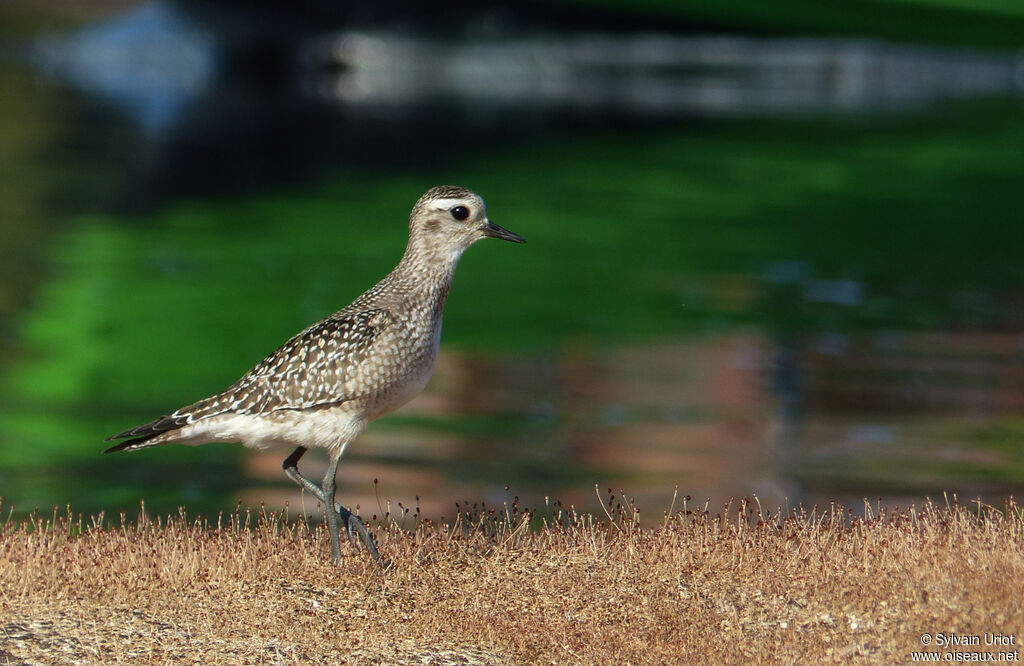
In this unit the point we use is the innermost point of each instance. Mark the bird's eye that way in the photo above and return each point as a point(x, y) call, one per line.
point(460, 213)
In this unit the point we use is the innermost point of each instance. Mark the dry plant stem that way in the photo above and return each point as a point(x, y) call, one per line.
point(335, 513)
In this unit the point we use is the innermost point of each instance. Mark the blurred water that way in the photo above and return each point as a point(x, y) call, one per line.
point(772, 266)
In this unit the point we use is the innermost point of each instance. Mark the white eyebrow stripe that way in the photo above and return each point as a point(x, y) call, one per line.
point(445, 204)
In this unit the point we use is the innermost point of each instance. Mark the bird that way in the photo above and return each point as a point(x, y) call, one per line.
point(325, 385)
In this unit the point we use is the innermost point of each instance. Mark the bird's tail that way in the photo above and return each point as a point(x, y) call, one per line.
point(134, 444)
point(148, 434)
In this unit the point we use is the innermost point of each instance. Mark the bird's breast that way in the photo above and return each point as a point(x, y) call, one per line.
point(404, 366)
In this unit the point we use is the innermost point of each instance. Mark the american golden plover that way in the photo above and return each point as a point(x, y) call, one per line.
point(325, 385)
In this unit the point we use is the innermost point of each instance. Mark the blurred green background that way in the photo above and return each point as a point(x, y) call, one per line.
point(772, 248)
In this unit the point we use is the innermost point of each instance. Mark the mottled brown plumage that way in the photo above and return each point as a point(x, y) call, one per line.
point(325, 385)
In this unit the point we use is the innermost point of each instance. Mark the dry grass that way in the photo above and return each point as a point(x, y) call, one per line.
point(737, 587)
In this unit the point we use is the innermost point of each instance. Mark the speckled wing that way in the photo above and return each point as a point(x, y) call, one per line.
point(308, 371)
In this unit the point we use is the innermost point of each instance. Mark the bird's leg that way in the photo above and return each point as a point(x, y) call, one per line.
point(332, 510)
point(291, 469)
point(343, 516)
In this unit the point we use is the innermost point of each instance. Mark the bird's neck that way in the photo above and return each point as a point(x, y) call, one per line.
point(425, 271)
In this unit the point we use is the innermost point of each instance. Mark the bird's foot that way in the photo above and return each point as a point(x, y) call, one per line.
point(354, 526)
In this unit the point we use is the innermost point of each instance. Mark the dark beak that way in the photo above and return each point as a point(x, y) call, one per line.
point(494, 231)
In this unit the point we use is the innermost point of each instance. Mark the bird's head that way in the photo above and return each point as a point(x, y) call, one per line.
point(448, 219)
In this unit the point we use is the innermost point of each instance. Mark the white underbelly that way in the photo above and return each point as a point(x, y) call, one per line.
point(326, 428)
